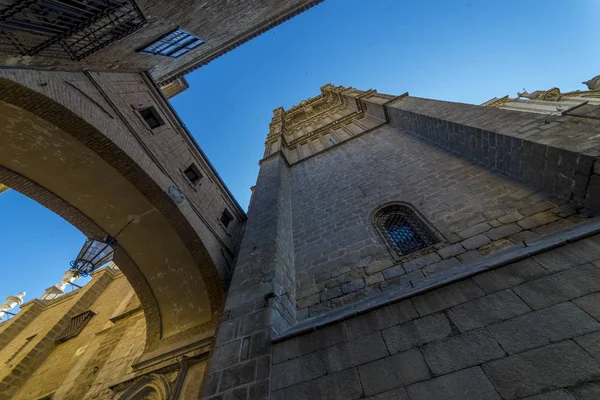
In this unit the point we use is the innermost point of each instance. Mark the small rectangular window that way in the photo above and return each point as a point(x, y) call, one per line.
point(174, 44)
point(193, 174)
point(226, 218)
point(151, 117)
point(75, 326)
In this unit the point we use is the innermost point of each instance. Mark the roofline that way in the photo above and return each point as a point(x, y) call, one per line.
point(193, 140)
point(241, 39)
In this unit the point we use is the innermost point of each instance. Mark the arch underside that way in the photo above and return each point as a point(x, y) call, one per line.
point(161, 255)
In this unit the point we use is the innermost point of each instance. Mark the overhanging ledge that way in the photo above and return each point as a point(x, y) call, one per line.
point(461, 272)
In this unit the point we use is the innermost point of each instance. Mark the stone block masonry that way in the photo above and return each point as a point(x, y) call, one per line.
point(339, 256)
point(487, 337)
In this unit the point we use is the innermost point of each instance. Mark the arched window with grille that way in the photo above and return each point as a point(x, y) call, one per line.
point(403, 229)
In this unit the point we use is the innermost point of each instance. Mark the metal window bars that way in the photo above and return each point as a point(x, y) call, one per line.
point(75, 326)
point(403, 230)
point(174, 44)
point(67, 29)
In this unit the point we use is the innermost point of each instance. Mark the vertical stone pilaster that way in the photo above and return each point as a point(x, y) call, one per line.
point(261, 298)
point(28, 313)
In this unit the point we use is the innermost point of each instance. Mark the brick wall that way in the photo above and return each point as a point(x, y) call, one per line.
point(222, 27)
point(528, 330)
point(339, 256)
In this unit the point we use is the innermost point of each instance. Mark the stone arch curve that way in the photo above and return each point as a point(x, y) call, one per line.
point(148, 387)
point(56, 157)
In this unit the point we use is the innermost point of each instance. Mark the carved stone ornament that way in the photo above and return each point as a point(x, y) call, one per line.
point(176, 194)
point(594, 83)
point(148, 387)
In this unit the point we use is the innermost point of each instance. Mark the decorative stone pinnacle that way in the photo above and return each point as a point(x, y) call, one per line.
point(10, 303)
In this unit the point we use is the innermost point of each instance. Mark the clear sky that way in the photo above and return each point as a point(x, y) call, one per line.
point(465, 51)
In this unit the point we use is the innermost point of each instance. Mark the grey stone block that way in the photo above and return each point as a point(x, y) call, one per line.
point(509, 276)
point(297, 370)
point(591, 343)
point(591, 304)
point(487, 310)
point(474, 230)
point(344, 385)
point(451, 251)
point(396, 394)
point(331, 293)
point(475, 242)
point(462, 351)
point(538, 328)
point(393, 272)
point(354, 352)
point(562, 286)
point(393, 372)
point(510, 218)
point(379, 319)
point(226, 355)
point(503, 231)
point(440, 266)
point(551, 367)
point(304, 344)
point(469, 256)
point(568, 256)
point(468, 384)
point(587, 391)
point(561, 394)
point(536, 208)
point(446, 297)
point(416, 333)
point(238, 375)
point(353, 286)
point(421, 262)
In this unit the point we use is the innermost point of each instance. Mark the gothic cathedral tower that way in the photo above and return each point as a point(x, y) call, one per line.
point(402, 246)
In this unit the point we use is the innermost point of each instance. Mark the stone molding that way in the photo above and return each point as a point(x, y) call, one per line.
point(458, 273)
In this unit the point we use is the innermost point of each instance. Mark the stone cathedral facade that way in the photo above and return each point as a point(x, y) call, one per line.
point(395, 247)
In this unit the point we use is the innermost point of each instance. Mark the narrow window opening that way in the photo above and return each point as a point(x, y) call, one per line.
point(192, 173)
point(75, 326)
point(151, 117)
point(174, 44)
point(403, 230)
point(226, 218)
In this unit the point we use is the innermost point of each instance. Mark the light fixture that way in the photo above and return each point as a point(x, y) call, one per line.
point(94, 254)
point(97, 252)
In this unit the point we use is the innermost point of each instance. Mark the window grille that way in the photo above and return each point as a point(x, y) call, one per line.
point(403, 230)
point(226, 218)
point(151, 117)
point(71, 29)
point(174, 44)
point(75, 326)
point(193, 174)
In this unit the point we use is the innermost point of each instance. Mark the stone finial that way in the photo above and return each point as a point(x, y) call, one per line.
point(11, 302)
point(594, 83)
point(54, 291)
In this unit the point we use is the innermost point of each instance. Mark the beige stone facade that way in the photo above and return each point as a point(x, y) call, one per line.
point(395, 247)
point(40, 365)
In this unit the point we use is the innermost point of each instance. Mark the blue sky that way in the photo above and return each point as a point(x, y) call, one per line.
point(465, 51)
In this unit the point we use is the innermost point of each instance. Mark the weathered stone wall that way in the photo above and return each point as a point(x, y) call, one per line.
point(260, 302)
point(340, 257)
point(222, 27)
point(555, 152)
point(97, 363)
point(527, 330)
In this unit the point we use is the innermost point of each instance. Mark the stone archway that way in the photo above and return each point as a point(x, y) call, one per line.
point(52, 155)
